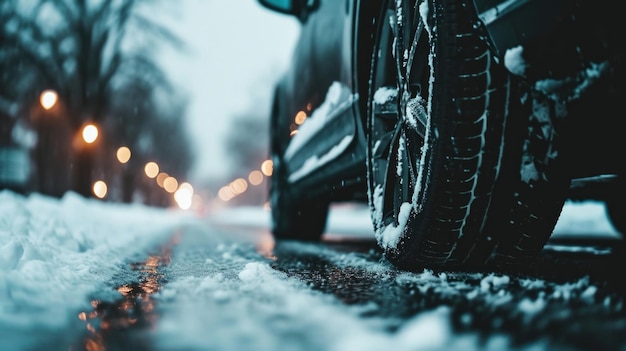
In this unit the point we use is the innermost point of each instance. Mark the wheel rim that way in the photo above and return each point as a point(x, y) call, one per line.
point(399, 120)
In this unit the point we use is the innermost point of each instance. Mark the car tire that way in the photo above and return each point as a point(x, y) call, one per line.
point(533, 183)
point(449, 141)
point(292, 218)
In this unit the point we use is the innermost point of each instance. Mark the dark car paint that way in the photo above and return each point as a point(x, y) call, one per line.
point(314, 68)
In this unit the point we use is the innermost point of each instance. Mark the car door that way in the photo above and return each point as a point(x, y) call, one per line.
point(319, 103)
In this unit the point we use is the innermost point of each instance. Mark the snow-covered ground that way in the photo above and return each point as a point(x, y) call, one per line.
point(58, 255)
point(55, 253)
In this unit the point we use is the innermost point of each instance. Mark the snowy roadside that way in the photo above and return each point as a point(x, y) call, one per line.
point(54, 253)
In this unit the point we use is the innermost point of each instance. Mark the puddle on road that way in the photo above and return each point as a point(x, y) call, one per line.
point(108, 323)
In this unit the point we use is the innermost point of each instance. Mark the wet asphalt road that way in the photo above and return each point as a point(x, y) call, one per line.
point(574, 293)
point(569, 298)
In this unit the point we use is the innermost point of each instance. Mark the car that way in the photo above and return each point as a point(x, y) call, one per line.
point(465, 125)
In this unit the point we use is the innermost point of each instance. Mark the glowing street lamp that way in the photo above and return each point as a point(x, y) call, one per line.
point(225, 193)
point(267, 167)
point(184, 196)
point(170, 184)
point(186, 186)
point(99, 189)
point(151, 169)
point(90, 133)
point(160, 178)
point(123, 154)
point(238, 186)
point(48, 99)
point(255, 177)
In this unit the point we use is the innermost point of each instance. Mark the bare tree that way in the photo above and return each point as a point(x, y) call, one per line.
point(248, 146)
point(15, 81)
point(247, 142)
point(84, 50)
point(154, 133)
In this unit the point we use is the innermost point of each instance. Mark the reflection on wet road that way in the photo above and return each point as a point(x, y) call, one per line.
point(110, 324)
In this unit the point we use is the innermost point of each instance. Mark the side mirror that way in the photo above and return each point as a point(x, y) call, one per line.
point(298, 8)
point(282, 6)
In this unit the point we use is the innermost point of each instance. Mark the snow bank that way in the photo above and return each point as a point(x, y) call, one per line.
point(55, 252)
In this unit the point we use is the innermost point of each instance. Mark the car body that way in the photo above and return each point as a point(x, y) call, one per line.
point(465, 124)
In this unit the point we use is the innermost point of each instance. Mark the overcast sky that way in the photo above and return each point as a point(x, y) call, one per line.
point(237, 51)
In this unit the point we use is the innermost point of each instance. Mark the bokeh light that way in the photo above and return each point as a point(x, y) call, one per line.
point(225, 193)
point(99, 189)
point(123, 154)
point(267, 167)
point(300, 117)
point(151, 169)
point(186, 185)
point(161, 178)
point(238, 186)
point(48, 99)
point(255, 177)
point(90, 133)
point(170, 184)
point(184, 196)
